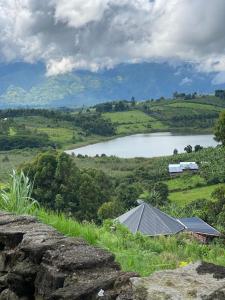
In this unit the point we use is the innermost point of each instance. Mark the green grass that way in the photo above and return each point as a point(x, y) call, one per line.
point(196, 106)
point(58, 135)
point(14, 159)
point(185, 182)
point(60, 132)
point(17, 198)
point(187, 196)
point(135, 253)
point(134, 121)
point(133, 116)
point(138, 253)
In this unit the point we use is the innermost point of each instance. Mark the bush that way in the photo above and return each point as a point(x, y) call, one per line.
point(17, 198)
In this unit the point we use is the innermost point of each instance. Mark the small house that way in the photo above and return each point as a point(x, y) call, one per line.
point(199, 229)
point(186, 165)
point(176, 169)
point(151, 221)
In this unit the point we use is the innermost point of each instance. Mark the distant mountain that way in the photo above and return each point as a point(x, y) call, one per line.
point(26, 85)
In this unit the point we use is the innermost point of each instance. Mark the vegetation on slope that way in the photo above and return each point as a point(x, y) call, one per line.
point(38, 128)
point(78, 187)
point(134, 252)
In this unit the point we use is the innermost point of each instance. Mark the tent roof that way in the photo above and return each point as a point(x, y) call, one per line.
point(150, 221)
point(175, 168)
point(197, 225)
point(189, 165)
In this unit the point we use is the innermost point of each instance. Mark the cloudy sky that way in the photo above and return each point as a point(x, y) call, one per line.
point(95, 34)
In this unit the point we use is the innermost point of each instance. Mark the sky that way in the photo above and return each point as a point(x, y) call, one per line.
point(97, 34)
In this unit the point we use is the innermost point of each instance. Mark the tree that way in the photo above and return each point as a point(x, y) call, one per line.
point(110, 210)
point(154, 198)
point(159, 194)
point(198, 148)
point(133, 102)
point(216, 209)
point(121, 106)
point(220, 129)
point(60, 185)
point(188, 149)
point(163, 191)
point(128, 194)
point(175, 151)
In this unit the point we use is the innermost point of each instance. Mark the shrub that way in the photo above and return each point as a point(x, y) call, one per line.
point(17, 198)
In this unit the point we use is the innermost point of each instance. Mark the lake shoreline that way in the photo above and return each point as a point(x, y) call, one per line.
point(100, 139)
point(154, 144)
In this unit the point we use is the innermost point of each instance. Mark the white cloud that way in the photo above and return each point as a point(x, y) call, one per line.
point(94, 34)
point(219, 78)
point(186, 80)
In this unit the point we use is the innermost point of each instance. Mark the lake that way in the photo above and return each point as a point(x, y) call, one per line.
point(146, 145)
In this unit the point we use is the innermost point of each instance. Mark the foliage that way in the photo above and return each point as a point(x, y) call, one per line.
point(158, 195)
point(128, 194)
point(163, 191)
point(187, 196)
point(138, 253)
point(198, 148)
point(216, 209)
point(220, 128)
point(175, 151)
point(110, 210)
point(17, 198)
point(60, 185)
point(188, 149)
point(153, 198)
point(23, 141)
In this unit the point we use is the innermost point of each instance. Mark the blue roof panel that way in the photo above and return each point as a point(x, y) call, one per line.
point(197, 225)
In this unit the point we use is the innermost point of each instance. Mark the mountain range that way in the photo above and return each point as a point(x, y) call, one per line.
point(26, 85)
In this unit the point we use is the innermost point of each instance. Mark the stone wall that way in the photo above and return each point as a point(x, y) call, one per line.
point(201, 281)
point(37, 262)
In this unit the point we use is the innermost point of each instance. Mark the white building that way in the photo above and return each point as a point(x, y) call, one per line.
point(182, 166)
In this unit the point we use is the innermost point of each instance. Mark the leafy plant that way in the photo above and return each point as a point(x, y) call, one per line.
point(17, 198)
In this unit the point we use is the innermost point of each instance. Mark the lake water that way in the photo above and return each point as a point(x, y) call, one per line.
point(146, 145)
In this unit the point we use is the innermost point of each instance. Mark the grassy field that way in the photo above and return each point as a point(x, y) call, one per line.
point(196, 106)
point(187, 196)
point(10, 160)
point(60, 132)
point(138, 253)
point(185, 182)
point(134, 121)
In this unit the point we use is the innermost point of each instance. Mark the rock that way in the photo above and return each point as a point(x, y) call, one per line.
point(37, 262)
point(196, 281)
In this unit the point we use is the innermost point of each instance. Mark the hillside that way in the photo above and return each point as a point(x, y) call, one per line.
point(25, 85)
point(68, 129)
point(76, 194)
point(40, 129)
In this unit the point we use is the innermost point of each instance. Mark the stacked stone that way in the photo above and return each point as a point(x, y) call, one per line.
point(37, 262)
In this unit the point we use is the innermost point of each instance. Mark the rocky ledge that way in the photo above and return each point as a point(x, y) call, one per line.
point(201, 281)
point(37, 262)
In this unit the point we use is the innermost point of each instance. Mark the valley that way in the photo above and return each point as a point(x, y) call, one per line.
point(63, 185)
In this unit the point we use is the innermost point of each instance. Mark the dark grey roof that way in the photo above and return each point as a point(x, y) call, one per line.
point(150, 221)
point(197, 225)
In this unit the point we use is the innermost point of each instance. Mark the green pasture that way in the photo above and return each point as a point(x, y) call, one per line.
point(185, 182)
point(134, 121)
point(185, 197)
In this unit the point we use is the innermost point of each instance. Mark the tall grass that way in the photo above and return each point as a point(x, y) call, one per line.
point(17, 197)
point(135, 253)
point(138, 253)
